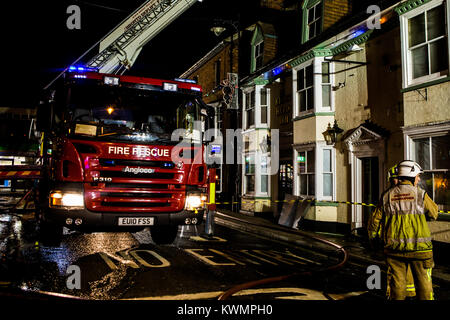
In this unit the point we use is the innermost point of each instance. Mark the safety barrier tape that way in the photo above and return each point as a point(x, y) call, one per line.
point(308, 200)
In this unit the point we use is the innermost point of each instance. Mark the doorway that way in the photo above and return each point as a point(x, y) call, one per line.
point(285, 181)
point(370, 185)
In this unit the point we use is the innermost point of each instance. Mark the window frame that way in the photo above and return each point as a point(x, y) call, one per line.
point(318, 149)
point(316, 19)
point(426, 133)
point(257, 107)
point(407, 67)
point(247, 108)
point(258, 53)
point(246, 174)
point(308, 5)
point(317, 87)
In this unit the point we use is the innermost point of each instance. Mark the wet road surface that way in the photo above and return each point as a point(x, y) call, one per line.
point(129, 265)
point(122, 265)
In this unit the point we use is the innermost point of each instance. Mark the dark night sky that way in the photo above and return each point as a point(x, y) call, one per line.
point(37, 44)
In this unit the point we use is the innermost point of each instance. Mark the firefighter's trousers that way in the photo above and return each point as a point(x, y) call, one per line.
point(410, 288)
point(421, 271)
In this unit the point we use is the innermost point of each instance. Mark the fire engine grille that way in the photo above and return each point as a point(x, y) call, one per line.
point(135, 205)
point(135, 163)
point(137, 186)
point(127, 198)
point(136, 195)
point(121, 174)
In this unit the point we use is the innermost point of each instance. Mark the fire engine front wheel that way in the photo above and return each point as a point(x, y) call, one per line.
point(164, 234)
point(50, 234)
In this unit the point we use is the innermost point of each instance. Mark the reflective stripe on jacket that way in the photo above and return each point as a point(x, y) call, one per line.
point(405, 226)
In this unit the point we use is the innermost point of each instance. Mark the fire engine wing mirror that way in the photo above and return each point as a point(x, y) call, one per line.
point(43, 116)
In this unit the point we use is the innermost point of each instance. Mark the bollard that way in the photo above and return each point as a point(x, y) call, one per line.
point(209, 224)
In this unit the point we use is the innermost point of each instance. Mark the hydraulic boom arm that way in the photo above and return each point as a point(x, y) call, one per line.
point(121, 47)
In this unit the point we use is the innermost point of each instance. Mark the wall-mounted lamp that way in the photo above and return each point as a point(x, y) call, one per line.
point(331, 133)
point(218, 30)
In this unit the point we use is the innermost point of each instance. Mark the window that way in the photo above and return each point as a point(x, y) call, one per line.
point(250, 108)
point(425, 43)
point(263, 101)
point(315, 171)
point(218, 77)
point(259, 50)
point(264, 174)
point(305, 89)
point(312, 82)
point(326, 85)
point(249, 173)
point(306, 171)
point(433, 155)
point(314, 21)
point(327, 173)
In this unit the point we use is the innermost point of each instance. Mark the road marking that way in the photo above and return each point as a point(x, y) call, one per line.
point(277, 256)
point(108, 256)
point(300, 294)
point(184, 296)
point(128, 259)
point(202, 239)
point(207, 259)
point(343, 296)
point(227, 256)
point(164, 262)
point(259, 258)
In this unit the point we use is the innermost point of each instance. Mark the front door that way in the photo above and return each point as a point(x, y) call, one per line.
point(285, 181)
point(370, 186)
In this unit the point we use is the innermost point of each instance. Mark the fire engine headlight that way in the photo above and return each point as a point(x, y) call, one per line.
point(66, 199)
point(195, 201)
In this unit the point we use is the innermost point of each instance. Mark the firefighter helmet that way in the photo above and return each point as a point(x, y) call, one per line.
point(393, 173)
point(409, 169)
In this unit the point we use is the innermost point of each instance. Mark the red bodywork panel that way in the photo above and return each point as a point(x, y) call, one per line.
point(125, 177)
point(136, 80)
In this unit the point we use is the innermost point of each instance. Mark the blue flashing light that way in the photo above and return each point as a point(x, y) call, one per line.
point(168, 165)
point(277, 71)
point(186, 80)
point(109, 162)
point(216, 148)
point(81, 69)
point(358, 32)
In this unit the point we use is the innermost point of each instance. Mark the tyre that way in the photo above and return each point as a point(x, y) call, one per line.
point(50, 234)
point(164, 234)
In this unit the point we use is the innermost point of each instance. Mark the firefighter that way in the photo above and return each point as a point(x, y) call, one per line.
point(401, 221)
point(410, 288)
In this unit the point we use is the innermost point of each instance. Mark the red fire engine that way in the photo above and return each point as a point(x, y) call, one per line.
point(111, 159)
point(111, 156)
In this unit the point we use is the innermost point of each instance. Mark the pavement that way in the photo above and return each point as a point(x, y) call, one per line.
point(357, 247)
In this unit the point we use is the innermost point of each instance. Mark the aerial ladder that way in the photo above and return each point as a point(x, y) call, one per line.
point(121, 47)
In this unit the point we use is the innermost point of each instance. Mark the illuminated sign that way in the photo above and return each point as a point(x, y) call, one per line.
point(139, 151)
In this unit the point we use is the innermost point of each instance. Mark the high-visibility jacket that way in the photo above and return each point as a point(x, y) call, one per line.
point(401, 222)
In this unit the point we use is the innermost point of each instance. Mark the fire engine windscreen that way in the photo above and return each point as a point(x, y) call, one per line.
point(129, 114)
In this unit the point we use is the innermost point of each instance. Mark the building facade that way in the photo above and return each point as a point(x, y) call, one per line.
point(424, 31)
point(381, 80)
point(378, 79)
